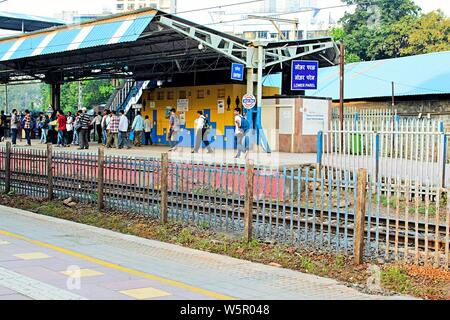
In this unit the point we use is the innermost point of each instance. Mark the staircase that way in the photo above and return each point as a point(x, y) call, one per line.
point(126, 95)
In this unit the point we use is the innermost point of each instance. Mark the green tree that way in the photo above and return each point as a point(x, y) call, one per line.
point(368, 27)
point(21, 97)
point(430, 34)
point(94, 92)
point(339, 35)
point(394, 38)
point(375, 13)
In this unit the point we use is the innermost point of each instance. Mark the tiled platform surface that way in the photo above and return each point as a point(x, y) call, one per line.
point(44, 255)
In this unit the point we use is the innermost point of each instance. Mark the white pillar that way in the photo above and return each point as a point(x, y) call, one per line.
point(250, 80)
point(259, 85)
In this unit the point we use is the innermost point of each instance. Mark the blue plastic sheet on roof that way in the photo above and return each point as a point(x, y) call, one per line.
point(425, 74)
point(75, 37)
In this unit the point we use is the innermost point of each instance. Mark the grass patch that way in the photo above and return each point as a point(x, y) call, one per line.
point(339, 263)
point(186, 237)
point(307, 264)
point(396, 279)
point(423, 282)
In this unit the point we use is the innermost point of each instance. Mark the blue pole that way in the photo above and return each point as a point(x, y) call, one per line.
point(377, 155)
point(319, 147)
point(444, 160)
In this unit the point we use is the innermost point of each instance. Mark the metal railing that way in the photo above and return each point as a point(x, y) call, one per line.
point(314, 207)
point(407, 149)
point(127, 95)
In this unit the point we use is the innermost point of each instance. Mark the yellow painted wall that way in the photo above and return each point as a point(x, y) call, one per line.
point(208, 102)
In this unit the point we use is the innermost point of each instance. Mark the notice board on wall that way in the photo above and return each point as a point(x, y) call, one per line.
point(315, 116)
point(286, 120)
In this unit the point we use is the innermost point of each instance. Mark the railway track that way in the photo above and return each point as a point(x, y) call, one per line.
point(265, 212)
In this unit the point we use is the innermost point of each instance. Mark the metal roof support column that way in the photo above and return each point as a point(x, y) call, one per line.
point(55, 96)
point(6, 98)
point(261, 137)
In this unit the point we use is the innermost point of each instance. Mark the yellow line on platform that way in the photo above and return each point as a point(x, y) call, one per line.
point(110, 265)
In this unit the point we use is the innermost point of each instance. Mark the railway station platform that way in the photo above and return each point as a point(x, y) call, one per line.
point(43, 258)
point(220, 156)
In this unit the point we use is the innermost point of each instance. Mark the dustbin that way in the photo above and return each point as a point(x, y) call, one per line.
point(356, 144)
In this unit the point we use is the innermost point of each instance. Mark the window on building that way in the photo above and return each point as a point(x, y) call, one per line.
point(221, 93)
point(150, 95)
point(161, 95)
point(119, 6)
point(170, 95)
point(182, 95)
point(130, 6)
point(200, 94)
point(262, 34)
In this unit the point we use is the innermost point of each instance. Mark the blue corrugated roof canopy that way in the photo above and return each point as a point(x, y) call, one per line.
point(129, 45)
point(75, 37)
point(427, 74)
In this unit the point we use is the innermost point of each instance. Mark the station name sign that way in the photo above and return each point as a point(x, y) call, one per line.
point(237, 72)
point(304, 75)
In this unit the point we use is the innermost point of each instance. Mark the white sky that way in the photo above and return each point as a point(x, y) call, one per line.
point(50, 7)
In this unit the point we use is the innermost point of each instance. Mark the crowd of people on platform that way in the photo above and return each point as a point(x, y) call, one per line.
point(202, 128)
point(112, 130)
point(67, 129)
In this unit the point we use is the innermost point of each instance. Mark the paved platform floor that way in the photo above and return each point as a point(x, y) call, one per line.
point(275, 159)
point(46, 258)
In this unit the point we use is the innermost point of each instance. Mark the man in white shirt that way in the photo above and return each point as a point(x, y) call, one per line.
point(240, 133)
point(105, 125)
point(69, 128)
point(148, 131)
point(201, 134)
point(97, 124)
point(123, 131)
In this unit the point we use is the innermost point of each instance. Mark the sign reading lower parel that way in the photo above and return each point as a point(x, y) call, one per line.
point(304, 75)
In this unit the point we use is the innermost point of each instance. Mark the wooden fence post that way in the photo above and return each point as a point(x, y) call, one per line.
point(164, 187)
point(360, 218)
point(248, 206)
point(100, 178)
point(50, 171)
point(8, 168)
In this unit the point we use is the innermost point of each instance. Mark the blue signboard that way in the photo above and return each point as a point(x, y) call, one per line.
point(237, 72)
point(304, 75)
